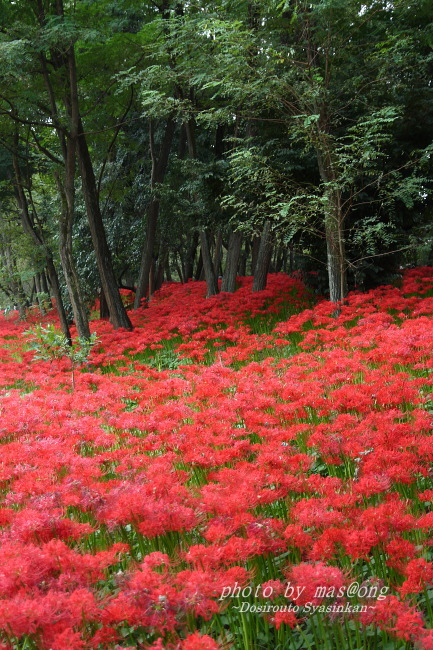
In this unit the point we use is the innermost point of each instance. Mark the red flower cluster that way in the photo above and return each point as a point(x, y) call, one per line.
point(209, 457)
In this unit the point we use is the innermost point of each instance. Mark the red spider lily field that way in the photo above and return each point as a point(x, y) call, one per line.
point(248, 471)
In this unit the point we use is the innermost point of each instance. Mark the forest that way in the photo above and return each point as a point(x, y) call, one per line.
point(143, 142)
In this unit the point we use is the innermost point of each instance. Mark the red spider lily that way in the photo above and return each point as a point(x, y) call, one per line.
point(307, 578)
point(231, 472)
point(197, 641)
point(393, 615)
point(284, 618)
point(419, 575)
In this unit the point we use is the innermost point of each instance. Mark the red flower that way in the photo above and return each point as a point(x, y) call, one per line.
point(197, 641)
point(419, 574)
point(285, 618)
point(312, 581)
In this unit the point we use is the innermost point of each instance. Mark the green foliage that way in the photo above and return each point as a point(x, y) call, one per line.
point(373, 234)
point(362, 99)
point(168, 360)
point(261, 188)
point(50, 344)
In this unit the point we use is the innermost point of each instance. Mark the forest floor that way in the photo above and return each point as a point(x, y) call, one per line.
point(249, 471)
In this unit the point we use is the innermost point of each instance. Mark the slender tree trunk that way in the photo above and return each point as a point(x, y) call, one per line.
point(37, 236)
point(118, 315)
point(159, 275)
point(291, 257)
point(44, 283)
point(72, 280)
point(209, 271)
point(55, 289)
point(74, 145)
point(263, 259)
point(334, 225)
point(66, 192)
point(219, 141)
point(39, 293)
point(159, 168)
point(255, 246)
point(104, 312)
point(278, 260)
point(147, 254)
point(218, 252)
point(274, 261)
point(168, 270)
point(233, 253)
point(151, 279)
point(67, 258)
point(190, 258)
point(160, 268)
point(244, 258)
point(32, 292)
point(179, 272)
point(14, 288)
point(79, 149)
point(66, 188)
point(37, 286)
point(282, 264)
point(199, 269)
point(328, 169)
point(18, 292)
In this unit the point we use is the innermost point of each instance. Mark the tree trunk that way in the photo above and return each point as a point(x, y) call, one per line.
point(334, 221)
point(243, 259)
point(151, 279)
point(159, 168)
point(20, 296)
point(199, 269)
point(37, 286)
point(74, 145)
point(39, 293)
point(218, 252)
point(255, 246)
point(328, 170)
point(179, 272)
point(118, 315)
point(55, 290)
point(104, 312)
point(44, 283)
point(283, 261)
point(168, 270)
point(263, 259)
point(219, 141)
point(69, 270)
point(67, 195)
point(209, 271)
point(278, 260)
point(190, 258)
point(160, 268)
point(14, 288)
point(37, 235)
point(66, 187)
point(233, 253)
point(335, 255)
point(147, 254)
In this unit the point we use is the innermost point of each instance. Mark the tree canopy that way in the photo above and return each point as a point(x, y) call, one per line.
point(151, 141)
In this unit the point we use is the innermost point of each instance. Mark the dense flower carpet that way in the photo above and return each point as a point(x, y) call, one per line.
point(248, 471)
